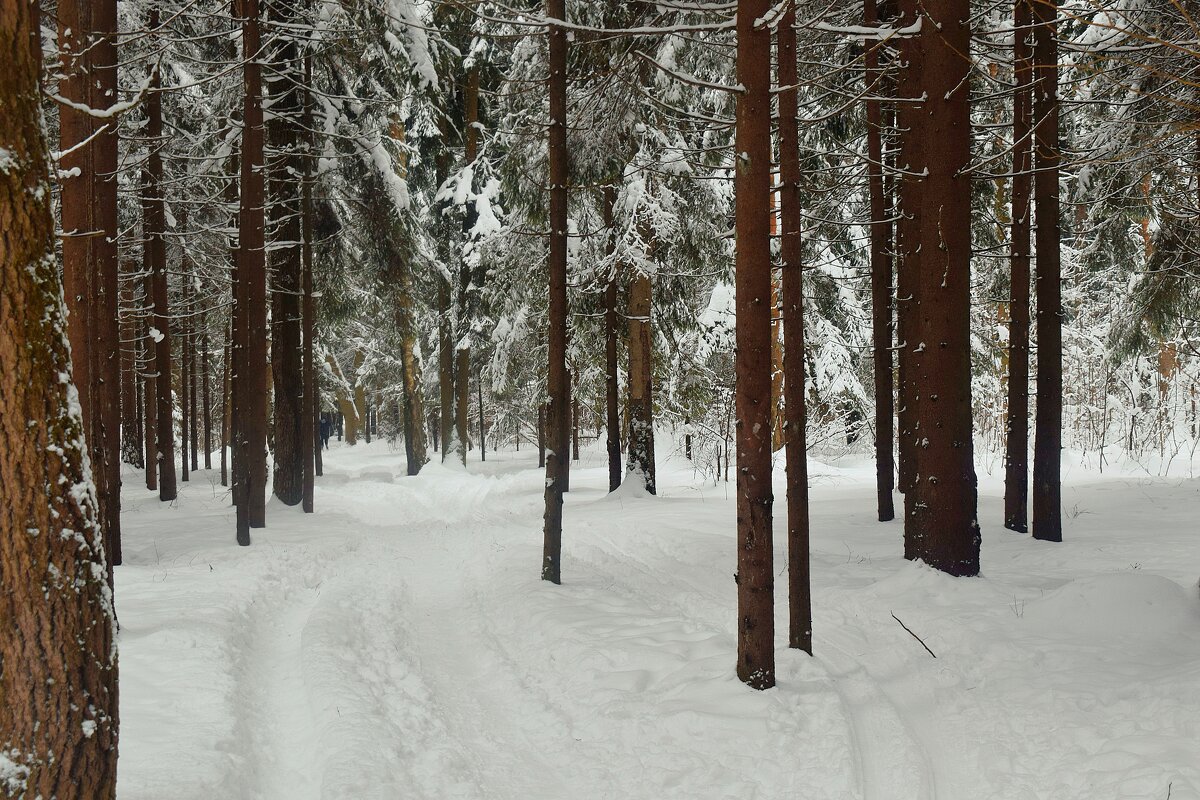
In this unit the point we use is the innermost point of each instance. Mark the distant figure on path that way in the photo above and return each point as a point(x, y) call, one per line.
point(326, 429)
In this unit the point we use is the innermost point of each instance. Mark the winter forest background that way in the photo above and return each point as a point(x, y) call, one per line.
point(832, 300)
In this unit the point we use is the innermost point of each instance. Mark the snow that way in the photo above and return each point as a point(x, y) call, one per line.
point(399, 643)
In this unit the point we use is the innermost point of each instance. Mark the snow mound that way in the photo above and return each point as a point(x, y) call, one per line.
point(1122, 605)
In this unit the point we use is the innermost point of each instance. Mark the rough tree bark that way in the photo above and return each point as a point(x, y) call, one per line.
point(251, 389)
point(612, 399)
point(556, 375)
point(908, 242)
point(1016, 444)
point(795, 416)
point(1047, 444)
point(58, 716)
point(310, 431)
point(752, 363)
point(284, 135)
point(941, 525)
point(641, 382)
point(153, 225)
point(881, 280)
point(462, 353)
point(87, 32)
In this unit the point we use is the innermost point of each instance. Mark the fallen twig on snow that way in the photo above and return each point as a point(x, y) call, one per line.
point(918, 638)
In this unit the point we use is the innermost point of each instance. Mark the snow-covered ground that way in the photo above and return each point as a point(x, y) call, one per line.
point(399, 644)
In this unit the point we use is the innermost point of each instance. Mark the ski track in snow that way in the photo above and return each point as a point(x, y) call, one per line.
point(399, 644)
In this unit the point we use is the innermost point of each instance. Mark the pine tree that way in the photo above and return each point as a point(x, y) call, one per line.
point(58, 719)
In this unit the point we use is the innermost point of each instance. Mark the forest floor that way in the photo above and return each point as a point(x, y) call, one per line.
point(399, 644)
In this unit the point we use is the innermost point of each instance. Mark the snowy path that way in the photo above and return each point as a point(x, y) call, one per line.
point(398, 643)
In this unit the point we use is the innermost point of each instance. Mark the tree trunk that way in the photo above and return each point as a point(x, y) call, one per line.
point(58, 717)
point(154, 224)
point(149, 388)
point(795, 416)
point(310, 421)
point(89, 222)
point(132, 449)
point(612, 399)
point(462, 352)
point(482, 428)
point(251, 389)
point(205, 387)
point(1016, 445)
point(1047, 445)
point(541, 435)
point(881, 280)
point(556, 375)
point(941, 525)
point(752, 187)
point(911, 157)
point(226, 406)
point(641, 382)
point(183, 329)
point(284, 135)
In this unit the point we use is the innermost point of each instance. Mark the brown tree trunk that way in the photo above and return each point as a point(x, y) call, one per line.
point(251, 389)
point(1047, 444)
point(1016, 444)
point(284, 135)
point(641, 382)
point(90, 266)
point(752, 363)
point(462, 353)
point(556, 375)
point(482, 428)
point(795, 417)
point(909, 121)
point(310, 421)
point(154, 224)
point(132, 449)
point(541, 435)
point(58, 716)
point(226, 405)
point(205, 387)
point(881, 281)
point(149, 390)
point(941, 525)
point(612, 399)
point(183, 329)
point(193, 397)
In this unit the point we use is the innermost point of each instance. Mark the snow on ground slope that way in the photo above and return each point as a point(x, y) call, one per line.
point(399, 644)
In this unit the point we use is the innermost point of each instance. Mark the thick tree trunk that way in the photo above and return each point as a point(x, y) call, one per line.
point(226, 405)
point(881, 281)
point(795, 416)
point(310, 421)
point(251, 387)
point(1047, 445)
point(941, 525)
point(1016, 444)
point(911, 157)
point(58, 716)
point(641, 382)
point(284, 135)
point(612, 399)
point(752, 186)
point(556, 375)
point(462, 353)
point(154, 224)
point(87, 32)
